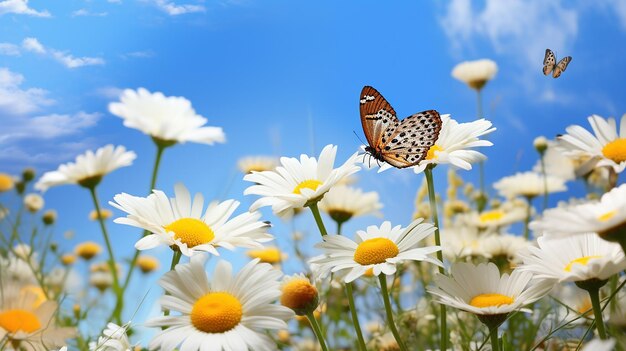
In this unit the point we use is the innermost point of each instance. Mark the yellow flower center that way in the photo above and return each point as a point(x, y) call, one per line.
point(615, 150)
point(582, 260)
point(19, 320)
point(605, 217)
point(216, 312)
point(373, 251)
point(489, 300)
point(431, 152)
point(147, 263)
point(88, 250)
point(6, 182)
point(268, 255)
point(312, 184)
point(490, 216)
point(191, 231)
point(299, 294)
point(369, 272)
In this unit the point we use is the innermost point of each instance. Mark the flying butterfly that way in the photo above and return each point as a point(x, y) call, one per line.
point(400, 143)
point(550, 65)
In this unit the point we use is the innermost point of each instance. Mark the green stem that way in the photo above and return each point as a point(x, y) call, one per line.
point(529, 207)
point(594, 295)
point(435, 218)
point(545, 182)
point(318, 218)
point(493, 335)
point(392, 325)
point(339, 225)
point(317, 330)
point(117, 312)
point(175, 259)
point(355, 317)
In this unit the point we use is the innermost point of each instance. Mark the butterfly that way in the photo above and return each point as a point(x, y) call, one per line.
point(400, 143)
point(550, 65)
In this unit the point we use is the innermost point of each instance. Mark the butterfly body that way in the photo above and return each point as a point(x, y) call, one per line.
point(551, 66)
point(400, 143)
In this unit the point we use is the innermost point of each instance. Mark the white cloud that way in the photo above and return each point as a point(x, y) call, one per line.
point(139, 54)
point(87, 13)
point(32, 44)
point(64, 57)
point(47, 126)
point(111, 93)
point(17, 101)
point(9, 49)
point(20, 7)
point(174, 9)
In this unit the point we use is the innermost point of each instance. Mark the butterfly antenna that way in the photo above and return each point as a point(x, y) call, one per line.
point(358, 137)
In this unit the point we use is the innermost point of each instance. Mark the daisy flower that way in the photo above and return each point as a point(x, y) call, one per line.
point(167, 119)
point(573, 259)
point(475, 73)
point(380, 249)
point(504, 215)
point(257, 164)
point(529, 185)
point(504, 247)
point(179, 222)
point(33, 202)
point(606, 217)
point(454, 143)
point(481, 289)
point(344, 202)
point(298, 183)
point(7, 182)
point(462, 241)
point(89, 168)
point(227, 313)
point(607, 147)
point(113, 338)
point(299, 294)
point(29, 324)
point(557, 164)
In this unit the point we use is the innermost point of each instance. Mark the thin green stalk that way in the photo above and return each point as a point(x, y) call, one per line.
point(443, 343)
point(392, 325)
point(545, 182)
point(318, 218)
point(529, 207)
point(117, 312)
point(339, 225)
point(355, 317)
point(594, 295)
point(175, 259)
point(493, 335)
point(317, 330)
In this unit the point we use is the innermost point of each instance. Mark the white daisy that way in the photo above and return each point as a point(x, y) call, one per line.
point(179, 221)
point(481, 289)
point(506, 246)
point(113, 338)
point(379, 248)
point(462, 241)
point(89, 168)
point(227, 313)
point(600, 345)
point(607, 147)
point(344, 202)
point(33, 202)
point(557, 164)
point(168, 119)
point(298, 183)
point(506, 214)
point(573, 259)
point(529, 185)
point(475, 73)
point(257, 164)
point(454, 143)
point(606, 217)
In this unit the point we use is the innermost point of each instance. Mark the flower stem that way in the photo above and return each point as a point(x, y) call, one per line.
point(317, 330)
point(117, 312)
point(355, 317)
point(318, 218)
point(175, 259)
point(594, 296)
point(493, 335)
point(481, 164)
point(435, 218)
point(383, 289)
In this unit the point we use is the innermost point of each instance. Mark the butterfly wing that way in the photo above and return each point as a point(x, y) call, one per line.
point(409, 143)
point(378, 118)
point(549, 60)
point(561, 66)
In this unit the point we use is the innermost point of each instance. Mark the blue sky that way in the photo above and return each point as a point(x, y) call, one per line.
point(283, 77)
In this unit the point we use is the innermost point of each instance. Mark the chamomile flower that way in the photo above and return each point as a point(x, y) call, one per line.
point(380, 249)
point(557, 164)
point(529, 185)
point(179, 222)
point(606, 217)
point(89, 168)
point(33, 202)
point(167, 119)
point(454, 144)
point(462, 241)
point(226, 313)
point(607, 147)
point(504, 247)
point(475, 73)
point(506, 214)
point(344, 202)
point(573, 259)
point(298, 183)
point(113, 338)
point(257, 164)
point(481, 289)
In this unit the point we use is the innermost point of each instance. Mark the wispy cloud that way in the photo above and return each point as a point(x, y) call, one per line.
point(47, 126)
point(139, 54)
point(16, 101)
point(173, 9)
point(9, 49)
point(64, 57)
point(87, 13)
point(20, 7)
point(110, 93)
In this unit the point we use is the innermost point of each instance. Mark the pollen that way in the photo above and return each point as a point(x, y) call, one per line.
point(19, 320)
point(606, 216)
point(491, 300)
point(582, 260)
point(491, 216)
point(615, 150)
point(373, 251)
point(431, 155)
point(191, 231)
point(299, 295)
point(216, 312)
point(312, 184)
